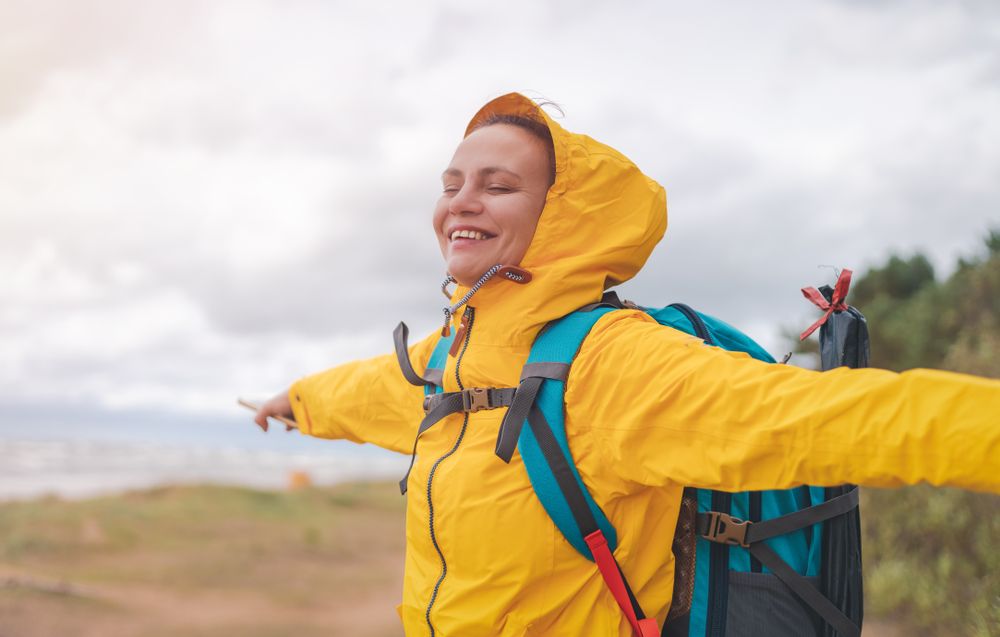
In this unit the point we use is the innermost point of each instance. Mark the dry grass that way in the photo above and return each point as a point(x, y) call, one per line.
point(210, 562)
point(205, 561)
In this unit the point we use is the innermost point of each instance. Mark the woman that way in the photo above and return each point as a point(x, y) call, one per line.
point(648, 409)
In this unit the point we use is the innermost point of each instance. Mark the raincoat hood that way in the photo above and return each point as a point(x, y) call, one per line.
point(601, 220)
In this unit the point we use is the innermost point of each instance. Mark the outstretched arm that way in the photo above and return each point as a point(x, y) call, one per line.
point(363, 401)
point(668, 409)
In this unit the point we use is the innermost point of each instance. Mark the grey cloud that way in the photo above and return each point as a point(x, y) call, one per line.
point(745, 258)
point(916, 35)
point(382, 266)
point(684, 161)
point(977, 8)
point(745, 269)
point(237, 117)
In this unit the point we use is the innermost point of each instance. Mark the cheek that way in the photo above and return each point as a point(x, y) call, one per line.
point(526, 224)
point(438, 219)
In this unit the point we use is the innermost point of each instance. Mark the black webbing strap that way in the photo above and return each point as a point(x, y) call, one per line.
point(474, 398)
point(631, 596)
point(513, 420)
point(805, 590)
point(437, 406)
point(450, 404)
point(570, 488)
point(717, 527)
point(435, 376)
point(399, 338)
point(555, 371)
point(608, 299)
point(532, 376)
point(562, 472)
point(767, 529)
point(725, 529)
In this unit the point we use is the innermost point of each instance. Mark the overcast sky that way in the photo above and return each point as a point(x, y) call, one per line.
point(206, 199)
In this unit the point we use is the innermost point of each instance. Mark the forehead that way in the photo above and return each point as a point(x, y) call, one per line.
point(504, 145)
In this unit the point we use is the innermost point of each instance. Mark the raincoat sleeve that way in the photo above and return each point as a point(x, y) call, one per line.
point(666, 408)
point(363, 401)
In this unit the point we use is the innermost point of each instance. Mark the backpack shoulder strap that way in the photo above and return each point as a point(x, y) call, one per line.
point(435, 365)
point(709, 329)
point(545, 451)
point(538, 403)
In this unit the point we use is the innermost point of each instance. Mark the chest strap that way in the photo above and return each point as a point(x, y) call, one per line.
point(437, 406)
point(472, 399)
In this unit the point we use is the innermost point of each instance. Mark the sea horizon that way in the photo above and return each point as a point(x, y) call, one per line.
point(90, 452)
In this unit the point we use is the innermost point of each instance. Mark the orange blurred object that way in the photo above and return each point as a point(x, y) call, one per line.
point(299, 480)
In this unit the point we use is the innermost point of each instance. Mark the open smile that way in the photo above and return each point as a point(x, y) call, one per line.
point(469, 236)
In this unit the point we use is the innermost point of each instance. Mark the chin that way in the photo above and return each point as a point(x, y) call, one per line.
point(468, 273)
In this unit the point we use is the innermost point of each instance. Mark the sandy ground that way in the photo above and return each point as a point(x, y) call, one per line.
point(210, 563)
point(204, 562)
point(51, 609)
point(46, 607)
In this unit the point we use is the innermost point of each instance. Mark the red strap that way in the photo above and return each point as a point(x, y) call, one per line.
point(613, 578)
point(837, 304)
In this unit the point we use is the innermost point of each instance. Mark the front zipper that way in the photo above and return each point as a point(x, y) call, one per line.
point(467, 319)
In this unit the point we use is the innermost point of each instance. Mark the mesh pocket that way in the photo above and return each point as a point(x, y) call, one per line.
point(760, 604)
point(684, 550)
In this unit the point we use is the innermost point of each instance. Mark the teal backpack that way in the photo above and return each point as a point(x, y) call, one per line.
point(782, 563)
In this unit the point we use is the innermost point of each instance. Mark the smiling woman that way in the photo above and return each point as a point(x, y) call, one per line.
point(647, 410)
point(493, 193)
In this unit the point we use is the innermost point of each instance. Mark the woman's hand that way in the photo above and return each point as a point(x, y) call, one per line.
point(277, 406)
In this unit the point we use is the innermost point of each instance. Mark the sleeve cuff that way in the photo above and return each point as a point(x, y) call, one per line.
point(299, 409)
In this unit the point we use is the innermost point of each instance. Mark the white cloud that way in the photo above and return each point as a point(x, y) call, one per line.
point(198, 200)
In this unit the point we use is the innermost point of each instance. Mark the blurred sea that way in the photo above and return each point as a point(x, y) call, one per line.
point(81, 451)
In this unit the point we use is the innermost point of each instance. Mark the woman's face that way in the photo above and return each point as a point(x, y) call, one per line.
point(493, 193)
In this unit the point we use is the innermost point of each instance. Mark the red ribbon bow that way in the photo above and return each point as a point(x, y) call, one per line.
point(829, 307)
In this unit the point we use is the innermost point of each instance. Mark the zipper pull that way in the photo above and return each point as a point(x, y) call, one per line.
point(463, 327)
point(446, 329)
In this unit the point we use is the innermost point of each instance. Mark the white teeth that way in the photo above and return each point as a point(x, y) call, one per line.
point(467, 234)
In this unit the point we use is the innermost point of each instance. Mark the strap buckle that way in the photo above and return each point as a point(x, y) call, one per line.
point(472, 399)
point(476, 398)
point(725, 529)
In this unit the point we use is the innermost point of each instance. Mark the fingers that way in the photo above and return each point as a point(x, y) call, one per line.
point(277, 407)
point(261, 419)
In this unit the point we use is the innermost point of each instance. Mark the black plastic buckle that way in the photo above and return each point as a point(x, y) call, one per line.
point(725, 529)
point(475, 399)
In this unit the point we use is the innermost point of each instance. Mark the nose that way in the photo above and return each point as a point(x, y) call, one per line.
point(465, 201)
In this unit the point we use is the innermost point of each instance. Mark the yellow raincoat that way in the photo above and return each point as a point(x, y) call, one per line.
point(649, 410)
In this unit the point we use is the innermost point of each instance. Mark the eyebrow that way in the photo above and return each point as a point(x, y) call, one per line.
point(485, 172)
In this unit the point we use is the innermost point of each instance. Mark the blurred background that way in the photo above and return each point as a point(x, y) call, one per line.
point(200, 201)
